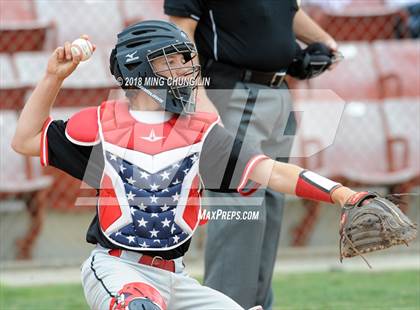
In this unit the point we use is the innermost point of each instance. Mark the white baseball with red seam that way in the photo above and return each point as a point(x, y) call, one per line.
point(82, 46)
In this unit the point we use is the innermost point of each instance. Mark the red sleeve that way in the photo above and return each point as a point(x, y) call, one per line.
point(245, 176)
point(44, 142)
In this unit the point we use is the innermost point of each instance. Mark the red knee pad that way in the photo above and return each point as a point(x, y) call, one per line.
point(137, 291)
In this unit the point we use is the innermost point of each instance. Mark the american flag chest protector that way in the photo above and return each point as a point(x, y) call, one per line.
point(149, 197)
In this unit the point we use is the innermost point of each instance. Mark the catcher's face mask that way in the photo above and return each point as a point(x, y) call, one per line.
point(174, 65)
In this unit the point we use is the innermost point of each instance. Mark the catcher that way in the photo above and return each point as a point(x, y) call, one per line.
point(148, 155)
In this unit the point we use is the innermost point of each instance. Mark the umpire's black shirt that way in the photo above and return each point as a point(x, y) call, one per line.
point(252, 34)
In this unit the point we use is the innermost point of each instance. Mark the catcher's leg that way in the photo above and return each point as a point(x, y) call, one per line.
point(189, 294)
point(113, 283)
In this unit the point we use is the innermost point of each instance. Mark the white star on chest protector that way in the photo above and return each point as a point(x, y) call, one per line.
point(165, 175)
point(130, 180)
point(130, 196)
point(164, 208)
point(176, 239)
point(142, 222)
point(131, 239)
point(165, 222)
point(194, 158)
point(144, 245)
point(175, 197)
point(153, 233)
point(154, 187)
point(144, 175)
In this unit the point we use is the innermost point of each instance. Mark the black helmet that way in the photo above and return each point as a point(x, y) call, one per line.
point(131, 64)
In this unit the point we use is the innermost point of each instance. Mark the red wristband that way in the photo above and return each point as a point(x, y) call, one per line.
point(315, 187)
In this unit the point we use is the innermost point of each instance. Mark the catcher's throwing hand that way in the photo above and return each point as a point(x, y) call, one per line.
point(63, 62)
point(370, 223)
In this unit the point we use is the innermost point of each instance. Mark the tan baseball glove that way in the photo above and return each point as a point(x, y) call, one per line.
point(370, 223)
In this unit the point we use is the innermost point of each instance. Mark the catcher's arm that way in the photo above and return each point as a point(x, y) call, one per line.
point(37, 109)
point(291, 179)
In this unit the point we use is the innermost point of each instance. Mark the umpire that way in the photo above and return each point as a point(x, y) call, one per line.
point(247, 45)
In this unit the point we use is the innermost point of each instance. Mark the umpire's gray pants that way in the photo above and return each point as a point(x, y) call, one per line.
point(240, 255)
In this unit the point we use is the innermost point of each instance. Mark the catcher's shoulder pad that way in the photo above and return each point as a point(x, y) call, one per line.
point(82, 127)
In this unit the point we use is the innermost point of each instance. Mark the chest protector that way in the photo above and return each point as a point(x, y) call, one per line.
point(150, 188)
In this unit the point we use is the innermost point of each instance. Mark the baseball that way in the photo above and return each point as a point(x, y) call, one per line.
point(84, 46)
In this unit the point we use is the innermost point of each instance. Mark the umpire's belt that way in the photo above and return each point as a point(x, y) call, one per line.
point(271, 79)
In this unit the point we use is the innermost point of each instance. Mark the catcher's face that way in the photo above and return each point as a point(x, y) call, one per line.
point(181, 74)
point(173, 66)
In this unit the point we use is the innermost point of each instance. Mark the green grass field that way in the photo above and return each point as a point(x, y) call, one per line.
point(333, 290)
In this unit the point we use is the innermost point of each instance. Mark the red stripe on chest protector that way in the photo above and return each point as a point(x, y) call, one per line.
point(108, 207)
point(192, 208)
